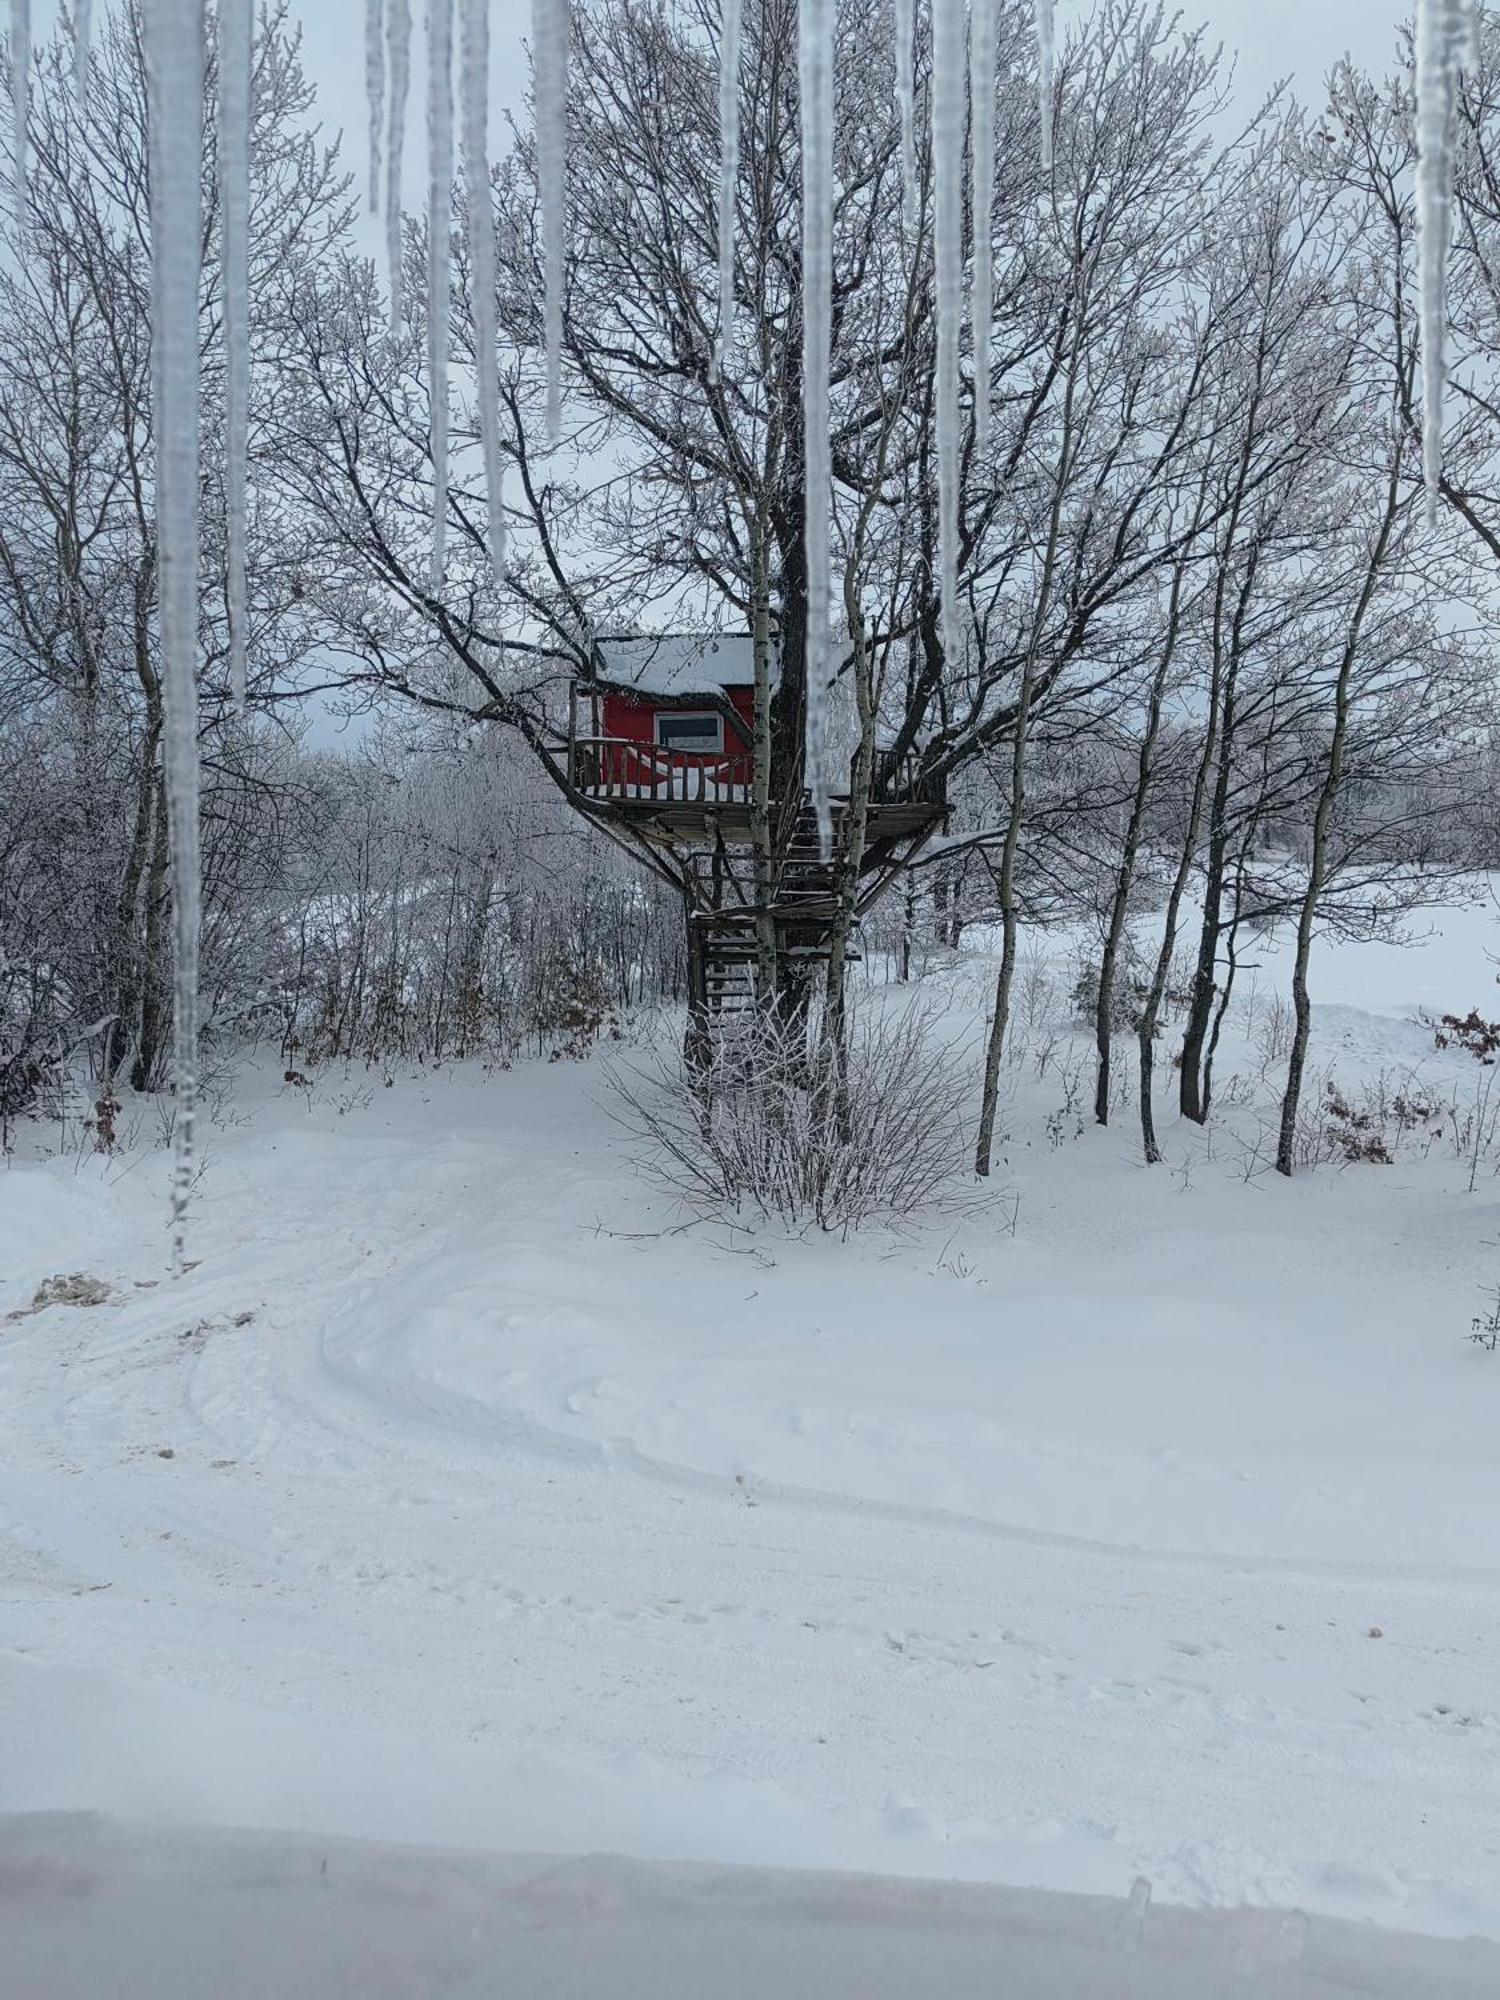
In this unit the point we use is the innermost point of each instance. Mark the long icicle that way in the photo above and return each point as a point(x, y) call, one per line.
point(1046, 45)
point(475, 91)
point(948, 255)
point(375, 90)
point(730, 22)
point(398, 33)
point(983, 31)
point(550, 29)
point(1444, 32)
point(83, 41)
point(20, 92)
point(236, 67)
point(903, 30)
point(439, 263)
point(815, 86)
point(174, 36)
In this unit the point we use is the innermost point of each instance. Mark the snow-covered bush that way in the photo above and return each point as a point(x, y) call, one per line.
point(773, 1120)
point(573, 1004)
point(1128, 992)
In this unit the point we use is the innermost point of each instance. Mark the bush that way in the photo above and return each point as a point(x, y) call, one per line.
point(1128, 994)
point(1471, 1032)
point(775, 1122)
point(1355, 1135)
point(573, 1004)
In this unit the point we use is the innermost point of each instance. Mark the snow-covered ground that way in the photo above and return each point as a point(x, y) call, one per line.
point(1140, 1524)
point(89, 1909)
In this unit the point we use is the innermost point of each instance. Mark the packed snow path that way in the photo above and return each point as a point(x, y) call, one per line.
point(1156, 1540)
point(142, 1915)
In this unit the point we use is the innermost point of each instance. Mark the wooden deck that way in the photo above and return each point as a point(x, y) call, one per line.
point(699, 798)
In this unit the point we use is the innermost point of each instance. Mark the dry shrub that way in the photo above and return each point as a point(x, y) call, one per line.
point(775, 1122)
point(1356, 1135)
point(1471, 1032)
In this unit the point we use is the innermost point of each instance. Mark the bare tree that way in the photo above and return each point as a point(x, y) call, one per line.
point(77, 509)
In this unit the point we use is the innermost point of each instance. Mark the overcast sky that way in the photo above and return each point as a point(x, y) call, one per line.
point(1273, 38)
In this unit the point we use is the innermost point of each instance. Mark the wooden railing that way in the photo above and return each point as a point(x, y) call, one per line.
point(616, 767)
point(907, 783)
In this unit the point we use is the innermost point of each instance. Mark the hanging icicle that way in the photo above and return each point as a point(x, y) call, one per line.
point(983, 32)
point(1445, 31)
point(475, 92)
point(236, 64)
point(948, 121)
point(729, 170)
point(375, 90)
point(1046, 45)
point(439, 261)
point(174, 36)
point(549, 29)
point(83, 39)
point(815, 84)
point(398, 34)
point(20, 91)
point(904, 29)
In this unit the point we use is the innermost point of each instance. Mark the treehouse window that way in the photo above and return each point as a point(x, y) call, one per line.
point(698, 731)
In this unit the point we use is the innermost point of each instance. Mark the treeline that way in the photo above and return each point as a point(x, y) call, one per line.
point(1218, 657)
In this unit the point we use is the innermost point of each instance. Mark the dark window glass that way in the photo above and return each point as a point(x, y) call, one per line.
point(685, 729)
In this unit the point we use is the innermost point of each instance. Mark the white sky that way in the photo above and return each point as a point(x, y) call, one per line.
point(1273, 37)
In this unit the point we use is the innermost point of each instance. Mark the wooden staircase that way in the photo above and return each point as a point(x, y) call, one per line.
point(723, 927)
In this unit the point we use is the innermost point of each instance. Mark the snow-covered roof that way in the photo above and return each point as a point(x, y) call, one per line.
point(673, 664)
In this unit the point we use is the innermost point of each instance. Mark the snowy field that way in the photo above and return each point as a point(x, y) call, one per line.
point(1136, 1525)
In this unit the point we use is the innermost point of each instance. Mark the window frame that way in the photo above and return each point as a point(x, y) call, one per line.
point(699, 749)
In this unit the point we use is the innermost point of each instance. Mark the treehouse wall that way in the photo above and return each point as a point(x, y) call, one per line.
point(628, 718)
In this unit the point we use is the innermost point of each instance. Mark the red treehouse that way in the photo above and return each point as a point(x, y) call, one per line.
point(661, 754)
point(670, 719)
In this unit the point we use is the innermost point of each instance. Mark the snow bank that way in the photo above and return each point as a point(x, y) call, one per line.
point(462, 1497)
point(88, 1907)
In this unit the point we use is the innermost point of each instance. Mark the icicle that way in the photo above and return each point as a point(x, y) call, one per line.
point(174, 35)
point(982, 40)
point(439, 258)
point(549, 28)
point(475, 90)
point(815, 84)
point(20, 90)
point(948, 123)
point(398, 28)
point(83, 37)
point(729, 170)
point(1046, 44)
point(1444, 31)
point(236, 61)
point(904, 28)
point(375, 89)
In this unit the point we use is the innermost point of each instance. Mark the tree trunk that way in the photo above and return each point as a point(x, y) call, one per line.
point(695, 1048)
point(990, 1100)
point(156, 979)
point(1151, 1011)
point(760, 791)
point(127, 951)
point(1129, 855)
point(1192, 1090)
point(1317, 872)
point(908, 929)
point(850, 838)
